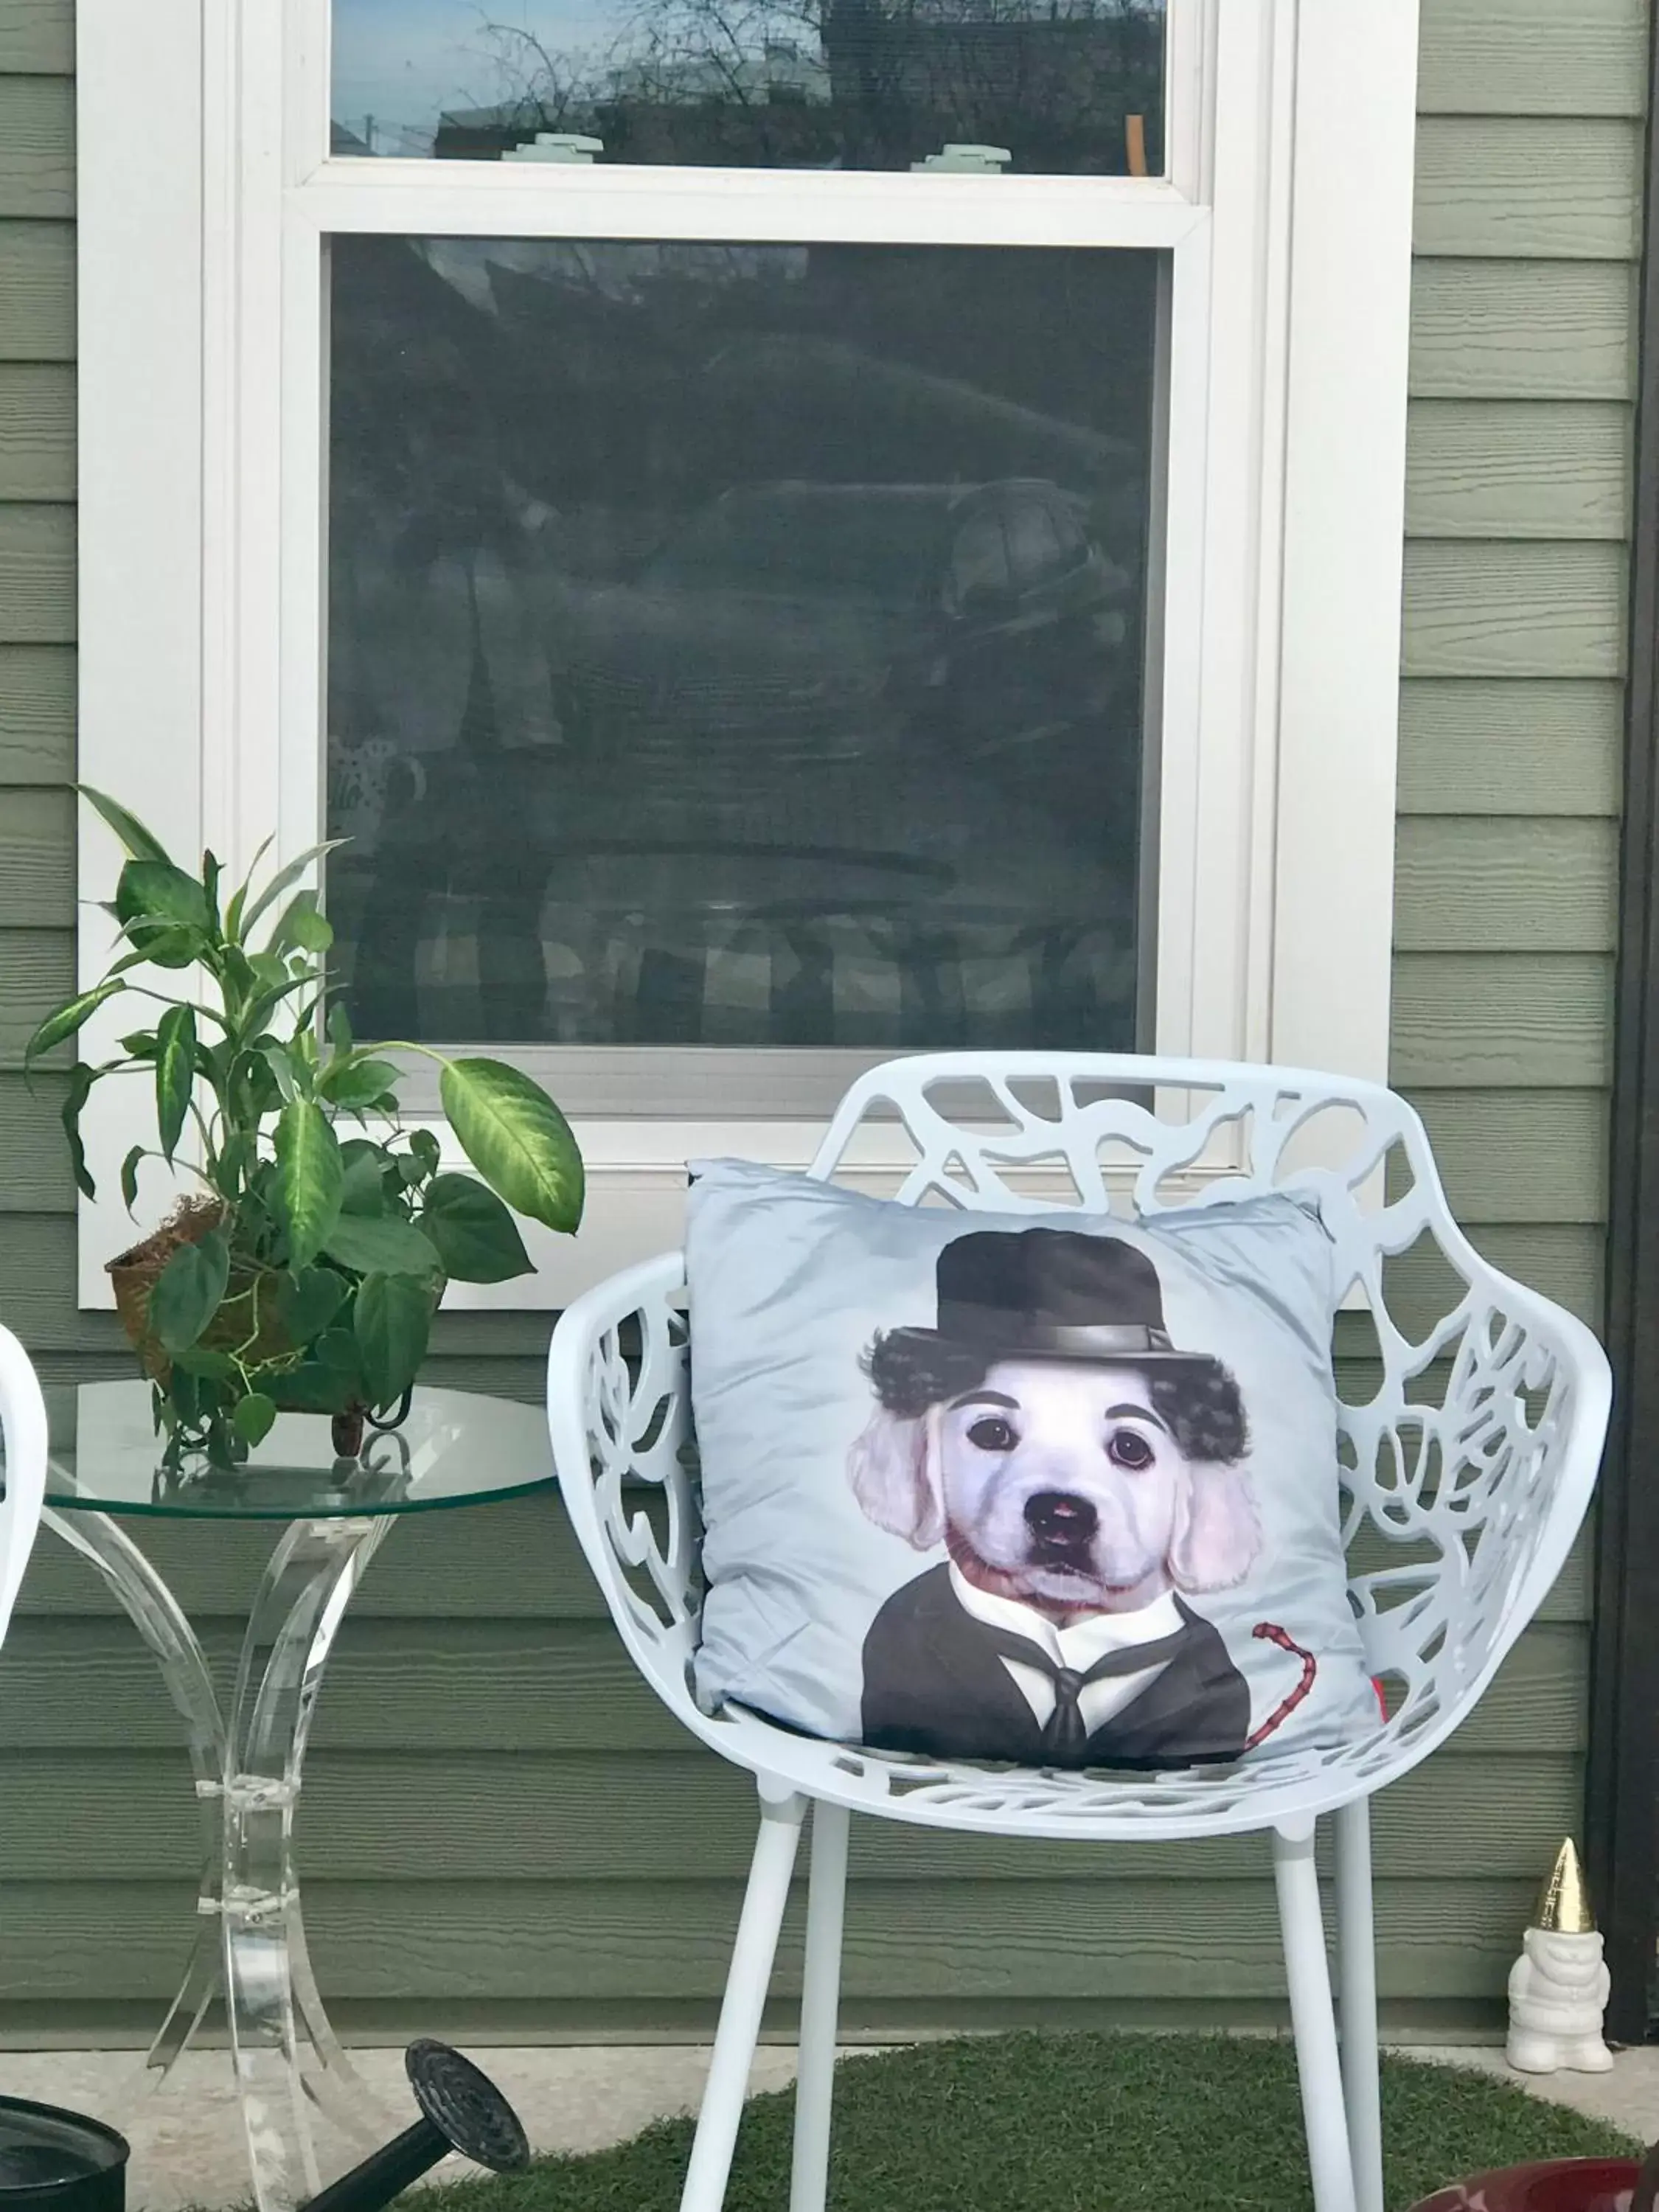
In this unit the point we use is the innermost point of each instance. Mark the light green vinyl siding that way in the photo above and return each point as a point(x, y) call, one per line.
point(503, 1833)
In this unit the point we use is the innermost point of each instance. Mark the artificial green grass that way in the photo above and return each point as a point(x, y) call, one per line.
point(1069, 2123)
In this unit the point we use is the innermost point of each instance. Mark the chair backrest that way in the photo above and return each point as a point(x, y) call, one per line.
point(23, 1430)
point(1472, 1410)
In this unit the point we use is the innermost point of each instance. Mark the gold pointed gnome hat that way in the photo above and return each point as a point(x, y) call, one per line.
point(1564, 1906)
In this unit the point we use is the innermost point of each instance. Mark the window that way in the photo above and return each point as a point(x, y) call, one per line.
point(780, 534)
point(702, 668)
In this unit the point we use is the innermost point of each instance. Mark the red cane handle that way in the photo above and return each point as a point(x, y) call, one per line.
point(1270, 1633)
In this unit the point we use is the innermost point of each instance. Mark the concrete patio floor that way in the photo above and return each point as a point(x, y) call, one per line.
point(187, 2143)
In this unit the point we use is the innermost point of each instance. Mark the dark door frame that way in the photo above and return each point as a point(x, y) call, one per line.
point(1621, 1812)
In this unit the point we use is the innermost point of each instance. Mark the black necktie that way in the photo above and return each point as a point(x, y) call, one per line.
point(1064, 1735)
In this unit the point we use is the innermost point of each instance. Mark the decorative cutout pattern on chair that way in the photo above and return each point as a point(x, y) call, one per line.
point(1469, 1453)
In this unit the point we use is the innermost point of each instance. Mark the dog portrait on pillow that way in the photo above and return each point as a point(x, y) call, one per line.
point(1060, 1491)
point(1088, 1479)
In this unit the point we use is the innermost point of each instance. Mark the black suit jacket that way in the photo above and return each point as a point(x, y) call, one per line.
point(935, 1684)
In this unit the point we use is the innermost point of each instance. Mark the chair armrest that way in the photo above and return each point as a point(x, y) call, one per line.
point(618, 1411)
point(1489, 1488)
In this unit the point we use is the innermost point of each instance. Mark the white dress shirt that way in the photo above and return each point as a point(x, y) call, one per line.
point(1077, 1647)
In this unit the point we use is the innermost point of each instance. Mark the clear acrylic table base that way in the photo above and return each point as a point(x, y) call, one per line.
point(251, 1943)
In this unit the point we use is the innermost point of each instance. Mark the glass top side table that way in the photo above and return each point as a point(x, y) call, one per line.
point(456, 1448)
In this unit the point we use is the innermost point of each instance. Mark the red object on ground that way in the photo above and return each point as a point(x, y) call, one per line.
point(1564, 2184)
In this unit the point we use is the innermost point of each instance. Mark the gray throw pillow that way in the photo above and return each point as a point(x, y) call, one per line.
point(1056, 1489)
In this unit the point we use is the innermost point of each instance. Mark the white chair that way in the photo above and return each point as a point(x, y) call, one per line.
point(1484, 1471)
point(23, 1432)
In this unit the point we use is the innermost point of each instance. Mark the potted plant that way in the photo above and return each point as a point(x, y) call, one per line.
point(303, 1272)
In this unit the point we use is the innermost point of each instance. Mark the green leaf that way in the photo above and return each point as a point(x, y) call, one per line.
point(340, 1027)
point(285, 878)
point(364, 1191)
point(309, 1176)
point(477, 1237)
point(516, 1138)
point(239, 896)
point(169, 948)
point(301, 925)
point(236, 1157)
point(141, 1045)
point(82, 1079)
point(141, 844)
point(156, 894)
point(393, 1320)
point(129, 1177)
point(351, 1085)
point(184, 1391)
point(314, 1389)
point(63, 1021)
point(338, 1349)
point(308, 1302)
point(217, 1366)
point(189, 1291)
point(254, 1418)
point(425, 1147)
point(385, 1245)
point(175, 1074)
point(278, 1058)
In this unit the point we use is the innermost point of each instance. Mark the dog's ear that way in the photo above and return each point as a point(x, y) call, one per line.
point(894, 1467)
point(1216, 1534)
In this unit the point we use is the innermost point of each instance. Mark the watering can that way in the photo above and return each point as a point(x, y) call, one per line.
point(1562, 2184)
point(61, 2162)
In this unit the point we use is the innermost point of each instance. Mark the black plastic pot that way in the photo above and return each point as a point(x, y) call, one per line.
point(61, 2162)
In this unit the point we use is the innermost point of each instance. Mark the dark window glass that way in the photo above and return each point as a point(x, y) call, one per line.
point(737, 645)
point(1066, 86)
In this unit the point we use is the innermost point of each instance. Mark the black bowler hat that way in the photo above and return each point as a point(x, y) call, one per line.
point(1052, 1294)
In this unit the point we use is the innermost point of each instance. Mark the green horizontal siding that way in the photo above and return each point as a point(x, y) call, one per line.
point(1565, 190)
point(1522, 330)
point(1513, 469)
point(1524, 369)
point(1524, 58)
point(37, 282)
point(575, 1863)
point(1478, 746)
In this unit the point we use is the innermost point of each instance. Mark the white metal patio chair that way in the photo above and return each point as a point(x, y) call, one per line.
point(1477, 1453)
point(23, 1432)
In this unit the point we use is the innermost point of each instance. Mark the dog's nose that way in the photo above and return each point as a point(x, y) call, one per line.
point(1056, 1517)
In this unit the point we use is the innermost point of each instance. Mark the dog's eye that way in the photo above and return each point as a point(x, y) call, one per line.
point(1129, 1449)
point(992, 1433)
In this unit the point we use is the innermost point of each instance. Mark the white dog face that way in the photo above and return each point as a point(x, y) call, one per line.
point(1059, 1484)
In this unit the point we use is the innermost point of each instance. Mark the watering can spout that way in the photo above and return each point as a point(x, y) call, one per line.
point(461, 2110)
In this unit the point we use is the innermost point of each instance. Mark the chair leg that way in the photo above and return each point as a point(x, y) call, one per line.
point(1313, 2022)
point(746, 1985)
point(1356, 1952)
point(820, 2000)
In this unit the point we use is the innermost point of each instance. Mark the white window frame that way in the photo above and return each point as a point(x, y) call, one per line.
point(205, 186)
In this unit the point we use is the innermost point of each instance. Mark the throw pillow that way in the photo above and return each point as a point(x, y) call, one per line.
point(1059, 1489)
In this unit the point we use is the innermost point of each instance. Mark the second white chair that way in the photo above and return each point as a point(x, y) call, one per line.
point(23, 1435)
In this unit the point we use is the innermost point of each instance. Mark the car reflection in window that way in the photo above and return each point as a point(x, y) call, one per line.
point(851, 616)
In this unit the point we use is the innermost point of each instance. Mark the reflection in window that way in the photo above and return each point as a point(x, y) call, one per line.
point(1072, 86)
point(739, 645)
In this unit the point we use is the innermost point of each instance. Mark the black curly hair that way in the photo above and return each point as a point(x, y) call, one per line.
point(913, 1368)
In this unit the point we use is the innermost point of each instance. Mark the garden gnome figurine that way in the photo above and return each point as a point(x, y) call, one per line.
point(1559, 1986)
